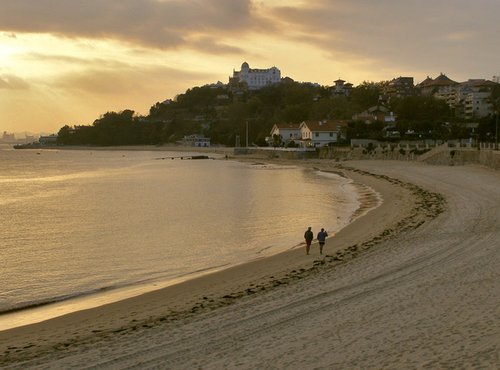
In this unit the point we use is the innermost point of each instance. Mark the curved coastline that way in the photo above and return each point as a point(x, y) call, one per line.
point(395, 214)
point(36, 311)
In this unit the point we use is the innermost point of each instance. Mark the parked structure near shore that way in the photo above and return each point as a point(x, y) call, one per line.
point(196, 140)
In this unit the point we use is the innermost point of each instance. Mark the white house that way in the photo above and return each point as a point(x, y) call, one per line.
point(319, 133)
point(286, 132)
point(257, 78)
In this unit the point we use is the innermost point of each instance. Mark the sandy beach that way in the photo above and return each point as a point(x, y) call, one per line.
point(414, 283)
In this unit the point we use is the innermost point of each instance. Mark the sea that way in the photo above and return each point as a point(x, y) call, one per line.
point(80, 228)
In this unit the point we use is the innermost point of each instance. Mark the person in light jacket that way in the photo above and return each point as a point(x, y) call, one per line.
point(322, 240)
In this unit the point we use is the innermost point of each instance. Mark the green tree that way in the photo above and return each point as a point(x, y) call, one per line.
point(421, 108)
point(365, 95)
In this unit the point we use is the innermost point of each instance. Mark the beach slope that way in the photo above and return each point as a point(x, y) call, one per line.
point(414, 283)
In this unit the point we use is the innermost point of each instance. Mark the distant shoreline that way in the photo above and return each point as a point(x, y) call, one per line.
point(175, 148)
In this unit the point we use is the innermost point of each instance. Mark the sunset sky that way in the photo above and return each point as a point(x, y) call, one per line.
point(70, 61)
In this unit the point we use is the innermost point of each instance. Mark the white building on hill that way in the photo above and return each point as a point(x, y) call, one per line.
point(257, 78)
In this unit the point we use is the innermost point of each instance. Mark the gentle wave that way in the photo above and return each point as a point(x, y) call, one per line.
point(136, 284)
point(60, 178)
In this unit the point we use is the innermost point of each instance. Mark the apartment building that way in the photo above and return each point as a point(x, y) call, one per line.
point(399, 87)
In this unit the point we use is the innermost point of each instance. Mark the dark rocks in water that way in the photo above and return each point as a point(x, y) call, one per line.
point(187, 157)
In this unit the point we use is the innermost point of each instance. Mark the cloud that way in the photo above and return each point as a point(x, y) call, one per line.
point(395, 32)
point(207, 45)
point(406, 35)
point(52, 58)
point(12, 82)
point(122, 79)
point(9, 35)
point(461, 36)
point(151, 23)
point(81, 96)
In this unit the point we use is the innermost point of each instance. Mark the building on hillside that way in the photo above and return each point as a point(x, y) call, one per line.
point(321, 133)
point(473, 98)
point(377, 113)
point(477, 105)
point(468, 100)
point(399, 87)
point(478, 84)
point(284, 133)
point(441, 87)
point(253, 78)
point(341, 88)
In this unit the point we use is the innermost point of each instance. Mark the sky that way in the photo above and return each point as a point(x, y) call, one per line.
point(67, 62)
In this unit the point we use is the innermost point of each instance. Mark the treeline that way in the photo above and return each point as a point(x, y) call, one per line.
point(116, 128)
point(222, 115)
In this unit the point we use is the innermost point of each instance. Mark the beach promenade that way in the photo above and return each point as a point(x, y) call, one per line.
point(414, 283)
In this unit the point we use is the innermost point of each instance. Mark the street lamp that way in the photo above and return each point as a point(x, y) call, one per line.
point(246, 136)
point(496, 131)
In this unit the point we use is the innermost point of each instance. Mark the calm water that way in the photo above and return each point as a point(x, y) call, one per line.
point(77, 222)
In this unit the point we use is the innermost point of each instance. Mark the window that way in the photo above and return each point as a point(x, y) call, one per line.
point(316, 134)
point(331, 134)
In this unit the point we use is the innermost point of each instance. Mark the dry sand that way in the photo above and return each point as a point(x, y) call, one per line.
point(412, 284)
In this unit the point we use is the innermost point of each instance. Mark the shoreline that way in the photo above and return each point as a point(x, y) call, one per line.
point(225, 287)
point(43, 311)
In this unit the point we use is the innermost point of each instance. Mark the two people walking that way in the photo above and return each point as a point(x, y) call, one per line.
point(309, 236)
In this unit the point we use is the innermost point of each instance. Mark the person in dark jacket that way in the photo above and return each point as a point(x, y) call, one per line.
point(308, 236)
point(322, 240)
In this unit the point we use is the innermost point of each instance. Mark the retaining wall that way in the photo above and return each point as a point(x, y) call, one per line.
point(441, 155)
